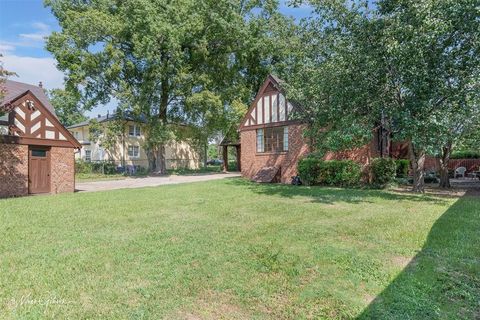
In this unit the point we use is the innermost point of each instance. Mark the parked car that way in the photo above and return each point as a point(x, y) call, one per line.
point(214, 162)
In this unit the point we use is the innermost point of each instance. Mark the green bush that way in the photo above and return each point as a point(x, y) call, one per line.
point(341, 173)
point(103, 167)
point(402, 168)
point(383, 171)
point(465, 155)
point(308, 170)
point(82, 166)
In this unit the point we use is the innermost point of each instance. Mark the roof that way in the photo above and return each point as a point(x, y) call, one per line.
point(101, 119)
point(14, 89)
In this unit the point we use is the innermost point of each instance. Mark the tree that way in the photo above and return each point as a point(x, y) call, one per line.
point(154, 55)
point(4, 74)
point(110, 133)
point(67, 106)
point(397, 63)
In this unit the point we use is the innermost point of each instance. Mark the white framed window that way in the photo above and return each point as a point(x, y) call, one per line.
point(88, 155)
point(260, 144)
point(133, 151)
point(134, 130)
point(273, 139)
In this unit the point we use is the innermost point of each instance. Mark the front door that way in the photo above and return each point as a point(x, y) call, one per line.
point(39, 170)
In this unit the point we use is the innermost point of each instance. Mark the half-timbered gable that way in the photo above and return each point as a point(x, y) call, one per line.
point(270, 107)
point(30, 119)
point(36, 150)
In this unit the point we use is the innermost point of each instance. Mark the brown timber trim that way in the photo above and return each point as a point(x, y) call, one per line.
point(270, 120)
point(36, 141)
point(273, 124)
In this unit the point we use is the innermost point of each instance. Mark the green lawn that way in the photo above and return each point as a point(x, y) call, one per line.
point(230, 249)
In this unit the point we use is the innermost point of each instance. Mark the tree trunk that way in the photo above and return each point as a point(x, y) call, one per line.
point(444, 160)
point(161, 167)
point(152, 160)
point(205, 158)
point(417, 159)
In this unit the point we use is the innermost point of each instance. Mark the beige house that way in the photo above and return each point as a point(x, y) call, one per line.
point(129, 150)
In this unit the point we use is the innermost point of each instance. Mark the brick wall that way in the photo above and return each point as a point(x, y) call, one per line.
point(471, 164)
point(62, 170)
point(13, 170)
point(252, 161)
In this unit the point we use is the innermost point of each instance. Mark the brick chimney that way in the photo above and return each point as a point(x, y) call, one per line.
point(40, 84)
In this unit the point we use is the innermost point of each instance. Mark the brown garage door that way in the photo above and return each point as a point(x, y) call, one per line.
point(39, 170)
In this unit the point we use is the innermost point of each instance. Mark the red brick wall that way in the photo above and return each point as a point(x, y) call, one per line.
point(252, 161)
point(471, 164)
point(13, 170)
point(62, 170)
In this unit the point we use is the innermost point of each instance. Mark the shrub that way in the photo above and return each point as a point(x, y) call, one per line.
point(82, 166)
point(103, 167)
point(383, 171)
point(308, 170)
point(342, 173)
point(402, 168)
point(465, 155)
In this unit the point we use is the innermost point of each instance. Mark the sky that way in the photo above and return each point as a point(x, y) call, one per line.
point(22, 43)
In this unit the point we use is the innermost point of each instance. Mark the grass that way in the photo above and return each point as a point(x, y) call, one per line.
point(234, 250)
point(87, 177)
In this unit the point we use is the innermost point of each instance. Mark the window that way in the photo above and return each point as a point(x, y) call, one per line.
point(273, 139)
point(88, 155)
point(134, 131)
point(260, 146)
point(134, 151)
point(39, 153)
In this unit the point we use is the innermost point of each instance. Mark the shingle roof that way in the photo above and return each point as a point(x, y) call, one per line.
point(14, 89)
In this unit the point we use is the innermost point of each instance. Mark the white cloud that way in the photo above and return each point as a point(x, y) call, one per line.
point(33, 70)
point(42, 31)
point(4, 48)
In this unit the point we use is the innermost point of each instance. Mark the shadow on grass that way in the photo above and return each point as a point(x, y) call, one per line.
point(330, 195)
point(443, 279)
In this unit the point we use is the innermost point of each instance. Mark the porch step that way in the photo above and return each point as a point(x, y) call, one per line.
point(267, 175)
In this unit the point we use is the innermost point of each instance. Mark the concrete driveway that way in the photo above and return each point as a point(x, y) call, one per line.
point(149, 181)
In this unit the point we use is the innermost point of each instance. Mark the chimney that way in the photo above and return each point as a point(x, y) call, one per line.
point(40, 84)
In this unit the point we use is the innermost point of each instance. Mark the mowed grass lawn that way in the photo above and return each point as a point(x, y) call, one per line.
point(231, 249)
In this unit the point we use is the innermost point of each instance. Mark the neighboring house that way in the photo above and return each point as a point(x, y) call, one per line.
point(272, 142)
point(128, 149)
point(36, 151)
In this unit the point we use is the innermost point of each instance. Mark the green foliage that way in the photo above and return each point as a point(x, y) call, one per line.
point(103, 167)
point(342, 173)
point(383, 171)
point(403, 166)
point(308, 170)
point(67, 106)
point(184, 61)
point(465, 155)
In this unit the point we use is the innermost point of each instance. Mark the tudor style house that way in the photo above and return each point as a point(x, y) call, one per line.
point(128, 149)
point(272, 142)
point(36, 151)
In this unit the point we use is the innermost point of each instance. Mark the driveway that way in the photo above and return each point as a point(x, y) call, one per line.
point(149, 181)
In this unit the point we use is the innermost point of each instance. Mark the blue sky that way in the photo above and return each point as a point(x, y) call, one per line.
point(23, 26)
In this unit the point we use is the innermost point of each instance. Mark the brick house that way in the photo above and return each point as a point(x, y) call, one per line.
point(272, 142)
point(36, 151)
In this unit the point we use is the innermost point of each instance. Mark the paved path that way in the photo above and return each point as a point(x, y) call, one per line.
point(148, 181)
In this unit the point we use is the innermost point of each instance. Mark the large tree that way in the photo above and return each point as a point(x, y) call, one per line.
point(154, 55)
point(67, 106)
point(400, 63)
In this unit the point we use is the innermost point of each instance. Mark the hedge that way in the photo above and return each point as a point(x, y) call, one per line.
point(465, 155)
point(104, 167)
point(384, 171)
point(341, 173)
point(402, 168)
